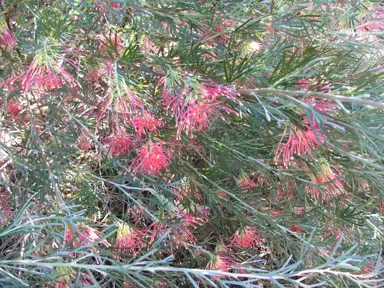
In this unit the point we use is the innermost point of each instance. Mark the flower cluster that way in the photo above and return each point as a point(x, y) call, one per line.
point(152, 158)
point(45, 71)
point(146, 123)
point(119, 143)
point(328, 183)
point(190, 143)
point(7, 38)
point(13, 107)
point(128, 240)
point(195, 108)
point(300, 142)
point(246, 238)
point(82, 235)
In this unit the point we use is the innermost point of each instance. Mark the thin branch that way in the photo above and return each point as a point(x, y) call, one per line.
point(290, 93)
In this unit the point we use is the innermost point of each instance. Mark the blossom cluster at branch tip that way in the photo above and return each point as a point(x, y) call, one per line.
point(13, 107)
point(82, 235)
point(146, 122)
point(7, 38)
point(152, 158)
point(119, 143)
point(329, 183)
point(45, 76)
point(128, 240)
point(246, 238)
point(300, 142)
point(196, 107)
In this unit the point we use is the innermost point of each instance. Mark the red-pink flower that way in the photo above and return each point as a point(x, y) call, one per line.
point(300, 142)
point(110, 41)
point(190, 221)
point(247, 184)
point(246, 238)
point(219, 262)
point(329, 183)
point(13, 107)
point(145, 122)
point(299, 210)
point(84, 141)
point(7, 39)
point(128, 239)
point(275, 212)
point(43, 76)
point(177, 235)
point(194, 109)
point(152, 158)
point(83, 235)
point(119, 143)
point(295, 228)
point(375, 24)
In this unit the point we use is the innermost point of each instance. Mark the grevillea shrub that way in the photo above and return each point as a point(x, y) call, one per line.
point(191, 143)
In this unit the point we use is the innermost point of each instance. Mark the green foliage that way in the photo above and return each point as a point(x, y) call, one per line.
point(286, 69)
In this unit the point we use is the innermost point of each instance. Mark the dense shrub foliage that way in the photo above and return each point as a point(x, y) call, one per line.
point(163, 143)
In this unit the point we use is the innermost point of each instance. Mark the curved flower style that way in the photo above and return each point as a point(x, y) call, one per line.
point(328, 181)
point(152, 158)
point(246, 238)
point(13, 107)
point(128, 239)
point(196, 108)
point(45, 71)
point(83, 235)
point(119, 143)
point(146, 122)
point(7, 38)
point(300, 142)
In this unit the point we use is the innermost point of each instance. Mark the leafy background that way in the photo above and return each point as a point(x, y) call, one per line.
point(77, 211)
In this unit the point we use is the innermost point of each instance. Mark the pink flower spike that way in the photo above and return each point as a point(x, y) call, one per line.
point(146, 122)
point(87, 235)
point(152, 158)
point(7, 39)
point(44, 76)
point(128, 239)
point(195, 109)
point(330, 182)
point(246, 238)
point(13, 107)
point(119, 143)
point(219, 262)
point(300, 142)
